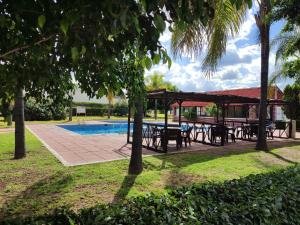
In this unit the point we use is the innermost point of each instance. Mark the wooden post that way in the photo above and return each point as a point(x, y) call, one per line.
point(217, 113)
point(223, 125)
point(128, 125)
point(291, 122)
point(179, 118)
point(165, 144)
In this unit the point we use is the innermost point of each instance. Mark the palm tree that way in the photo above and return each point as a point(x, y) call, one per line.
point(264, 30)
point(156, 81)
point(286, 43)
point(226, 22)
point(110, 97)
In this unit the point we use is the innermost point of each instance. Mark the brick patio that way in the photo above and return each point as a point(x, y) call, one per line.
point(73, 149)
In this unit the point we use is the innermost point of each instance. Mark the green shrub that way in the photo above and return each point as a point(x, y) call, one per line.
point(191, 114)
point(88, 104)
point(257, 199)
point(43, 111)
point(96, 111)
point(120, 109)
point(211, 110)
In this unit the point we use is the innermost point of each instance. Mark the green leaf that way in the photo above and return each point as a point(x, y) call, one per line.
point(64, 26)
point(166, 58)
point(169, 62)
point(136, 24)
point(250, 4)
point(74, 54)
point(144, 4)
point(41, 21)
point(148, 63)
point(156, 59)
point(159, 23)
point(83, 50)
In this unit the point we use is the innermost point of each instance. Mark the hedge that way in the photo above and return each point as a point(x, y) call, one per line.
point(43, 111)
point(272, 198)
point(97, 109)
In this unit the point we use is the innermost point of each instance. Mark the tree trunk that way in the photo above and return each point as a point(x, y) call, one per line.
point(9, 119)
point(108, 111)
point(19, 124)
point(70, 112)
point(155, 109)
point(136, 163)
point(264, 28)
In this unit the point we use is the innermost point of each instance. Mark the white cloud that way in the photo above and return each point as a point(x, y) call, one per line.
point(166, 36)
point(239, 68)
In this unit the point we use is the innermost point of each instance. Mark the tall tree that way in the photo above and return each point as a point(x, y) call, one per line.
point(42, 43)
point(229, 15)
point(288, 41)
point(263, 25)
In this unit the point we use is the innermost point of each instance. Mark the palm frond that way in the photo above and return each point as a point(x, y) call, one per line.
point(226, 24)
point(278, 74)
point(191, 40)
point(284, 41)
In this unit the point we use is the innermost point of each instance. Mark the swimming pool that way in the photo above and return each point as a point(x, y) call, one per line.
point(90, 129)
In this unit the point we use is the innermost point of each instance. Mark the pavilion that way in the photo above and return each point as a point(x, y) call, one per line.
point(221, 100)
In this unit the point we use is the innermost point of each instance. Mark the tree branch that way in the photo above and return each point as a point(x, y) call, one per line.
point(3, 56)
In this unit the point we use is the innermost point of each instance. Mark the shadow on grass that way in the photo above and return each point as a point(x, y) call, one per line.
point(126, 185)
point(282, 158)
point(39, 197)
point(180, 160)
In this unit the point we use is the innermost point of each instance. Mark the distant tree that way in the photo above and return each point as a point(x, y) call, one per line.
point(211, 110)
point(110, 97)
point(292, 96)
point(6, 103)
point(288, 41)
point(156, 81)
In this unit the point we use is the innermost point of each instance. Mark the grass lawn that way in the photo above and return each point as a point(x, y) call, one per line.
point(39, 183)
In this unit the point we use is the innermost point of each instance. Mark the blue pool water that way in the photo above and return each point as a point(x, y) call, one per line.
point(88, 129)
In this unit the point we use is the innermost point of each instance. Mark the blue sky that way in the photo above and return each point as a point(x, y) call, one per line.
point(239, 68)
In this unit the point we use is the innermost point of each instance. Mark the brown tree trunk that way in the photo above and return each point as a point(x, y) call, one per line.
point(70, 112)
point(264, 29)
point(108, 111)
point(9, 119)
point(20, 150)
point(136, 163)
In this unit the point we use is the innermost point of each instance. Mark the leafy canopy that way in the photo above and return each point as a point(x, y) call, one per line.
point(156, 81)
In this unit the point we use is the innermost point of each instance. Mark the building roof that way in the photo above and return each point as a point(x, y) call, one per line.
point(274, 93)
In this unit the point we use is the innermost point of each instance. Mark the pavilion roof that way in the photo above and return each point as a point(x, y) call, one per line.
point(207, 97)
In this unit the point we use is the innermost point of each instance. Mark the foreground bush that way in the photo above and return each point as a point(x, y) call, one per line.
point(257, 199)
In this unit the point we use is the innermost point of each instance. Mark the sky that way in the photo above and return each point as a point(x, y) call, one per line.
point(238, 68)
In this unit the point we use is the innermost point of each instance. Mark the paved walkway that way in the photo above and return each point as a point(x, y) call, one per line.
point(7, 130)
point(73, 149)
